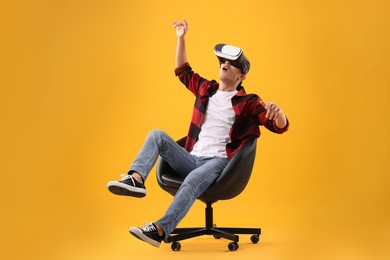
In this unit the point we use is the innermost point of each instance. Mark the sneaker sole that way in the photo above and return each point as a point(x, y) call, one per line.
point(119, 188)
point(140, 235)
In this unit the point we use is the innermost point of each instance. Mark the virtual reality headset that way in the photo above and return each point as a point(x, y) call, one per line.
point(234, 55)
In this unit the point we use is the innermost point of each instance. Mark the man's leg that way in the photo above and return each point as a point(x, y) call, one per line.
point(157, 143)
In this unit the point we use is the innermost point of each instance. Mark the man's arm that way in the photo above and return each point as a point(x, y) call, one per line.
point(181, 53)
point(271, 116)
point(187, 76)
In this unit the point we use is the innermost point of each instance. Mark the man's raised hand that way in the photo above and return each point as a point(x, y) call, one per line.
point(181, 27)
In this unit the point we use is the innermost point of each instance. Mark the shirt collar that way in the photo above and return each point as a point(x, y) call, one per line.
point(214, 87)
point(241, 90)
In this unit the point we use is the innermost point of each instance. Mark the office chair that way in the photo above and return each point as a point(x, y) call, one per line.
point(232, 182)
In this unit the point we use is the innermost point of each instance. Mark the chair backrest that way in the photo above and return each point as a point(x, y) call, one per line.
point(229, 184)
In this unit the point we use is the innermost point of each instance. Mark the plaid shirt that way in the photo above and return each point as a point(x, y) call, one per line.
point(247, 108)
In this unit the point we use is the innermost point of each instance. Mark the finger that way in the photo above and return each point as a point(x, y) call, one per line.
point(271, 115)
point(185, 24)
point(265, 106)
point(275, 114)
point(269, 107)
point(267, 115)
point(176, 24)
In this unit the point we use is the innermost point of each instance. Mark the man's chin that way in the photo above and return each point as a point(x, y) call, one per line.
point(223, 77)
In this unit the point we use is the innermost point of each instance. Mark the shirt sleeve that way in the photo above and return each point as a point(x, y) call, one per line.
point(189, 78)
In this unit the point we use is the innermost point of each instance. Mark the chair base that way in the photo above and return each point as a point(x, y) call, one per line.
point(210, 229)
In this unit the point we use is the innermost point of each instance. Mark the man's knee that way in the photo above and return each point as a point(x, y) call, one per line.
point(156, 134)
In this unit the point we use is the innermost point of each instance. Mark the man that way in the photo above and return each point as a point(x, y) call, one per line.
point(224, 118)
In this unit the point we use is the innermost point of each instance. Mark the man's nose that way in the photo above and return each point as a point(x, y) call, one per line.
point(227, 62)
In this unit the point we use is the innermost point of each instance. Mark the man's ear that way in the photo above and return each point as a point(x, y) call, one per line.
point(242, 77)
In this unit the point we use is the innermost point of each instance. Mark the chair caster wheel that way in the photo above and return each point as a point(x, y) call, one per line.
point(233, 246)
point(255, 239)
point(175, 246)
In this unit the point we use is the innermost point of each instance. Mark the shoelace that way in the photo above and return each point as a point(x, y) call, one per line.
point(126, 177)
point(149, 227)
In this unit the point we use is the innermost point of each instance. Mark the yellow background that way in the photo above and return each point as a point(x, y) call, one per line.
point(83, 81)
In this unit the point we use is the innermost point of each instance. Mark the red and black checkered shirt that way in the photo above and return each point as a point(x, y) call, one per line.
point(247, 108)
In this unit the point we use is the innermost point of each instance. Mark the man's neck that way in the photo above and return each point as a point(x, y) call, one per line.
point(227, 87)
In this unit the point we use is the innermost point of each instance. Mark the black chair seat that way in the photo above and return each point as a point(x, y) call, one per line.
point(172, 180)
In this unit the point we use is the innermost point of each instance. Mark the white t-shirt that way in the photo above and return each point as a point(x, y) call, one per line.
point(215, 132)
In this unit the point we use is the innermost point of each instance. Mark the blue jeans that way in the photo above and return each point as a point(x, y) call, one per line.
point(199, 174)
